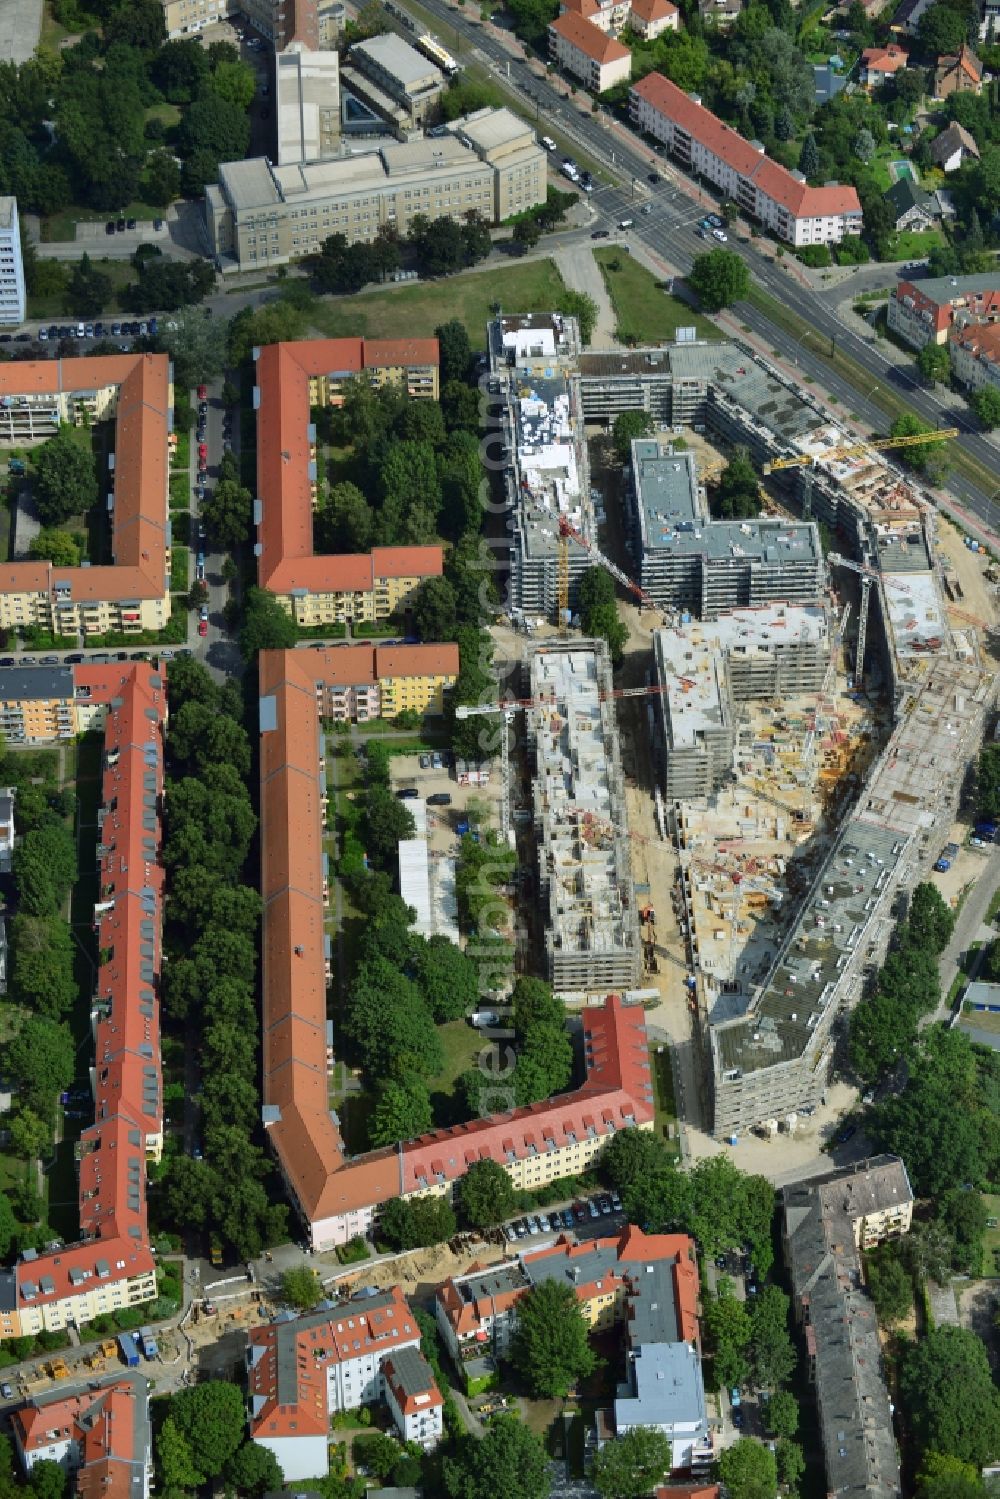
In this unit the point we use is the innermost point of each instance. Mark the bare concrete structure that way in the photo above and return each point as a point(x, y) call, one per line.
point(585, 871)
point(772, 1060)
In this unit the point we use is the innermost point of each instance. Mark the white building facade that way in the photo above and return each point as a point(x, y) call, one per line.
point(12, 295)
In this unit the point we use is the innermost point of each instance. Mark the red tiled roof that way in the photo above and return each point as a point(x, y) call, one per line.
point(981, 340)
point(128, 1101)
point(103, 1422)
point(284, 455)
point(801, 200)
point(585, 8)
point(964, 61)
point(884, 59)
point(140, 512)
point(286, 1380)
point(653, 10)
point(588, 39)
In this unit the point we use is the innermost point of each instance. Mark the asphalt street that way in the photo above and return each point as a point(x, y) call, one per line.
point(670, 231)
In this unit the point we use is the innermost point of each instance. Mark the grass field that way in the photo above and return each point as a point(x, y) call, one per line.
point(909, 245)
point(531, 286)
point(461, 1044)
point(645, 314)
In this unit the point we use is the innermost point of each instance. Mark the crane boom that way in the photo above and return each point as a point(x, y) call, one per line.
point(854, 449)
point(566, 530)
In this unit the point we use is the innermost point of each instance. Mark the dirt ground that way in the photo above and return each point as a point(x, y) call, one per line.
point(978, 593)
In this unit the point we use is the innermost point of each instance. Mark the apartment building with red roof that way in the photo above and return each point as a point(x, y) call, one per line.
point(303, 1370)
point(927, 311)
point(100, 1435)
point(762, 189)
point(975, 355)
point(647, 18)
point(133, 593)
point(598, 59)
point(478, 1311)
point(113, 1265)
point(337, 1197)
point(291, 379)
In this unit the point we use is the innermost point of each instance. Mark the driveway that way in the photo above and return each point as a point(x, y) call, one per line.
point(580, 271)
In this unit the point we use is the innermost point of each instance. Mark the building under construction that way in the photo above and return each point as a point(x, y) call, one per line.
point(689, 562)
point(771, 1060)
point(706, 667)
point(533, 364)
point(592, 938)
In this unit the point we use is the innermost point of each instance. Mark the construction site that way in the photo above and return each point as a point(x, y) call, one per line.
point(810, 719)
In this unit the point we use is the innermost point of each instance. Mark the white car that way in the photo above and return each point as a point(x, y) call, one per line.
point(721, 235)
point(548, 143)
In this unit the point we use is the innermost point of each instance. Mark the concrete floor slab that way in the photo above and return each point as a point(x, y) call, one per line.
point(20, 28)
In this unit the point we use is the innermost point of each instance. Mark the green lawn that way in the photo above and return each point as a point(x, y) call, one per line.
point(645, 313)
point(181, 458)
point(910, 245)
point(531, 286)
point(461, 1043)
point(121, 274)
point(170, 114)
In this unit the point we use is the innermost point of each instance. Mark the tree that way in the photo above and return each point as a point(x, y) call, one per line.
point(890, 1284)
point(197, 345)
point(380, 1454)
point(42, 976)
point(510, 1461)
point(934, 363)
point(580, 305)
point(790, 1462)
point(748, 1470)
point(965, 1215)
point(47, 1479)
point(809, 163)
point(89, 289)
point(942, 1477)
point(45, 868)
point(41, 1058)
point(179, 69)
point(347, 521)
point(66, 478)
point(175, 1460)
point(448, 978)
point(728, 1330)
point(389, 1021)
point(266, 625)
point(227, 513)
point(416, 1224)
point(30, 1136)
point(201, 736)
point(632, 1156)
point(58, 547)
point(460, 407)
point(410, 493)
point(781, 1414)
point(948, 1392)
point(719, 278)
point(737, 494)
point(628, 426)
point(926, 458)
point(235, 82)
point(634, 1464)
point(434, 609)
point(930, 919)
point(387, 821)
point(527, 233)
point(485, 1195)
point(301, 1287)
point(550, 1347)
point(864, 144)
point(941, 28)
point(254, 1471)
point(402, 1112)
point(454, 350)
point(214, 124)
point(598, 608)
point(8, 1225)
point(986, 404)
point(772, 1353)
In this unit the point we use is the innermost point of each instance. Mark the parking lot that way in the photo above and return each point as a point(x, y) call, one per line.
point(586, 1217)
point(430, 782)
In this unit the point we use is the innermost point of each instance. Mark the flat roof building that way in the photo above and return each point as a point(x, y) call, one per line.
point(690, 562)
point(13, 304)
point(592, 940)
point(307, 104)
point(261, 214)
point(386, 67)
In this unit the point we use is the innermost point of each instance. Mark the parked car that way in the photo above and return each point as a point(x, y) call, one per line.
point(407, 793)
point(548, 143)
point(130, 224)
point(109, 227)
point(203, 392)
point(439, 799)
point(720, 235)
point(425, 761)
point(601, 234)
point(202, 450)
point(203, 627)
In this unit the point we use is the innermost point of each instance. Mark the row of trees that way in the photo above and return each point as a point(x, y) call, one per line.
point(884, 1026)
point(434, 247)
point(212, 944)
point(202, 1441)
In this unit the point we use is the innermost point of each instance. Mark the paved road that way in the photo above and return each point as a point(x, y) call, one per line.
point(670, 231)
point(970, 926)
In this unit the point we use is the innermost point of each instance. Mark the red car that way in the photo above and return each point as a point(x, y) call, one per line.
point(203, 392)
point(203, 627)
point(203, 465)
point(202, 450)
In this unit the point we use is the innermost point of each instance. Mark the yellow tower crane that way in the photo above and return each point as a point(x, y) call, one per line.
point(854, 449)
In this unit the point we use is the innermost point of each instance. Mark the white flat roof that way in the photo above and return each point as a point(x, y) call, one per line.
point(916, 614)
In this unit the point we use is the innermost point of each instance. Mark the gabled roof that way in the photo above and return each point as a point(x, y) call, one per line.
point(963, 61)
point(905, 194)
point(953, 139)
point(653, 10)
point(286, 454)
point(884, 59)
point(139, 520)
point(589, 39)
point(746, 159)
point(108, 1422)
